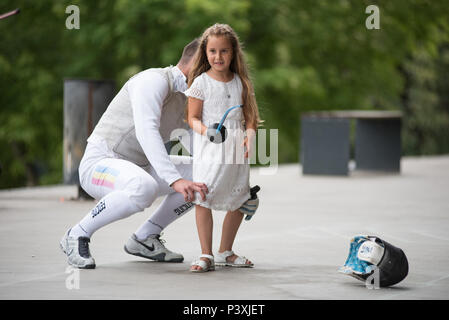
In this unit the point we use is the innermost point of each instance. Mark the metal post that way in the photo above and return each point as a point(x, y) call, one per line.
point(324, 145)
point(85, 101)
point(378, 145)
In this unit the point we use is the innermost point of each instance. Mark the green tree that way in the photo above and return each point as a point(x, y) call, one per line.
point(303, 55)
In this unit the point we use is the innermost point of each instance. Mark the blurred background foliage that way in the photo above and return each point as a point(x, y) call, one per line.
point(304, 55)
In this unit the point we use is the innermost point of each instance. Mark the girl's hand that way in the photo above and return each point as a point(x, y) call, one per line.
point(248, 142)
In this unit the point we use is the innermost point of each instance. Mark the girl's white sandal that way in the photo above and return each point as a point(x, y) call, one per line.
point(203, 264)
point(239, 262)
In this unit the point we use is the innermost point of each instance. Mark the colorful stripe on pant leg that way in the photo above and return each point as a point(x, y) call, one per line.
point(104, 176)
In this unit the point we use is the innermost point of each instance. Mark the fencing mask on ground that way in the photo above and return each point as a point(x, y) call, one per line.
point(367, 254)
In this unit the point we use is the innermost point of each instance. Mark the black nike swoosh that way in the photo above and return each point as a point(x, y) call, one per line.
point(149, 248)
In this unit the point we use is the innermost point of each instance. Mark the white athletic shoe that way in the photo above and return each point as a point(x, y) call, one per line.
point(151, 248)
point(77, 251)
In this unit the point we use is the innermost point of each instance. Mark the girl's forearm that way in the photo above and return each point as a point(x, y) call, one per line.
point(197, 126)
point(251, 128)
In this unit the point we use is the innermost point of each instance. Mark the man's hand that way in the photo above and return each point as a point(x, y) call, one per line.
point(187, 188)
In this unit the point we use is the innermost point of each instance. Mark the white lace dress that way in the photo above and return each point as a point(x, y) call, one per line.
point(222, 167)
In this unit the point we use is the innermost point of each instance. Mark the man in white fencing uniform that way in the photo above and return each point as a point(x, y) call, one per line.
point(126, 165)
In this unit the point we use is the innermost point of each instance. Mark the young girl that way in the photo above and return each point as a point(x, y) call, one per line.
point(219, 80)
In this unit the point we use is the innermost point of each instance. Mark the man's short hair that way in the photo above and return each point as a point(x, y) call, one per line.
point(189, 51)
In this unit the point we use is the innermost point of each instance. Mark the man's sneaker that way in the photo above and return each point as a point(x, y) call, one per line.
point(77, 251)
point(151, 248)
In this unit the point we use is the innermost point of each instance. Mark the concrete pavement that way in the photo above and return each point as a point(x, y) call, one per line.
point(297, 240)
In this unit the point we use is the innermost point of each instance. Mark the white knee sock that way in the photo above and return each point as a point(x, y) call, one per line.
point(114, 206)
point(173, 207)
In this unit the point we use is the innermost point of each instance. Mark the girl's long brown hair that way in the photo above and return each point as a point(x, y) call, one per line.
point(238, 65)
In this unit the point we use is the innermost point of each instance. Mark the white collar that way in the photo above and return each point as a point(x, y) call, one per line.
point(179, 80)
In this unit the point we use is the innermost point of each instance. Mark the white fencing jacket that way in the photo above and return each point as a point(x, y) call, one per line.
point(142, 116)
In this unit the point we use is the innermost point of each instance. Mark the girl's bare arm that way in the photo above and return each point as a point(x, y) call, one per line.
point(195, 109)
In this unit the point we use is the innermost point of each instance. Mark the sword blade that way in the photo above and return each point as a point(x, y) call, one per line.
point(8, 14)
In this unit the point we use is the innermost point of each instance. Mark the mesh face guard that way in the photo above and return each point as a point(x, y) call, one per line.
point(216, 136)
point(216, 133)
